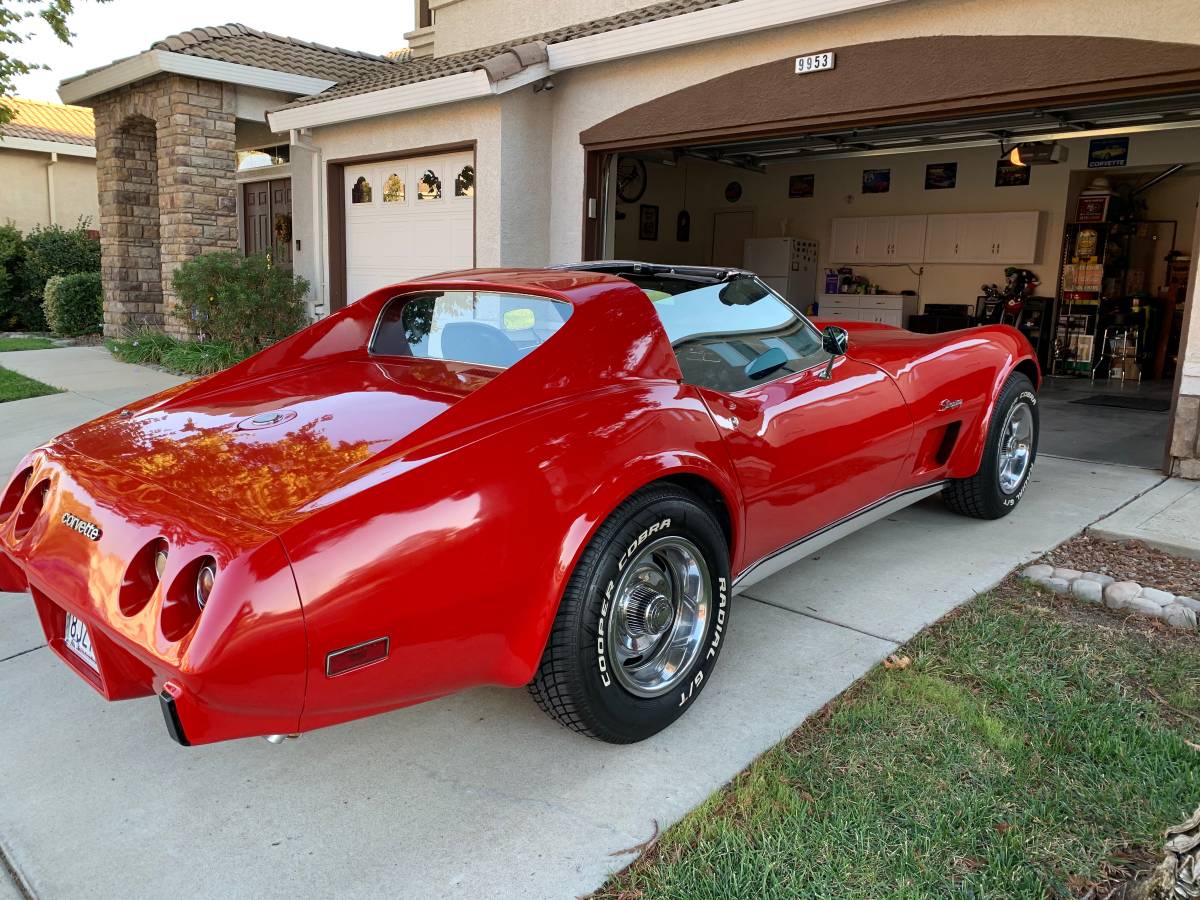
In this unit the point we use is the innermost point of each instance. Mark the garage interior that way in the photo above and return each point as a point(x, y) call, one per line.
point(1034, 217)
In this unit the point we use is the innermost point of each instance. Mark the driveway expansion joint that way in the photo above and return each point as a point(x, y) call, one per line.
point(779, 606)
point(22, 653)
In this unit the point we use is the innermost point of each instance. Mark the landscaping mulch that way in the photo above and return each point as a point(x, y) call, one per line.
point(1129, 561)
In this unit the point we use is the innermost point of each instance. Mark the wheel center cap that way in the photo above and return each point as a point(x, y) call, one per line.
point(647, 612)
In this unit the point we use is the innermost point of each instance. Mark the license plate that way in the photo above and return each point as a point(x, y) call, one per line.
point(79, 642)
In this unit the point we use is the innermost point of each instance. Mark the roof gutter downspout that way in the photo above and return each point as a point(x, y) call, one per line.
point(50, 184)
point(302, 137)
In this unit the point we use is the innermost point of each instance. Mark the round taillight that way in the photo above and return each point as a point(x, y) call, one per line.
point(35, 499)
point(12, 497)
point(205, 579)
point(142, 577)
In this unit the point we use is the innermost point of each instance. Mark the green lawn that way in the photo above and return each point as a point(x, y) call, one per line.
point(26, 343)
point(14, 386)
point(1034, 748)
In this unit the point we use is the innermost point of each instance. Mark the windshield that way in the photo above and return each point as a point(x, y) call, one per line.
point(481, 327)
point(718, 330)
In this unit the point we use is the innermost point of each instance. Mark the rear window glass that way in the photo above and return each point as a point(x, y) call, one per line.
point(479, 327)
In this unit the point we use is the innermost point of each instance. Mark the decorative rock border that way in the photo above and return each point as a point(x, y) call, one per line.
point(1178, 612)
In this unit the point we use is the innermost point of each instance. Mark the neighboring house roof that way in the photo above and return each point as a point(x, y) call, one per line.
point(38, 121)
point(427, 68)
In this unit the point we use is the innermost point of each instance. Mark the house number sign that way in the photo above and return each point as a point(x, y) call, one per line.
point(814, 62)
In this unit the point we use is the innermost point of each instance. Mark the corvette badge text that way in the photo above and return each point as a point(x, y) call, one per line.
point(89, 530)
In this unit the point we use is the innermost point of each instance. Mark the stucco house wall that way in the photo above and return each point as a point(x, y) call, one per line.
point(25, 196)
point(467, 24)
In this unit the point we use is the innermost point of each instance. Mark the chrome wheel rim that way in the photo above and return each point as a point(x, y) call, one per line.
point(1016, 447)
point(659, 617)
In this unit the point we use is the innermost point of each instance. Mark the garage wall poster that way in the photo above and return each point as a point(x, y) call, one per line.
point(941, 176)
point(1106, 152)
point(1010, 175)
point(876, 181)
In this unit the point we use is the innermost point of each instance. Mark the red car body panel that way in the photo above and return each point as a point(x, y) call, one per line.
point(443, 505)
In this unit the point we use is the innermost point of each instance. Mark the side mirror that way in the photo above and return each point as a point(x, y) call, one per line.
point(766, 363)
point(834, 341)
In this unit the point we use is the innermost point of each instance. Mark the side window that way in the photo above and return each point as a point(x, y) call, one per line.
point(361, 192)
point(721, 332)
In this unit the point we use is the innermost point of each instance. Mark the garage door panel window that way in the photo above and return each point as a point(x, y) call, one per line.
point(430, 186)
point(464, 182)
point(361, 191)
point(393, 189)
point(478, 327)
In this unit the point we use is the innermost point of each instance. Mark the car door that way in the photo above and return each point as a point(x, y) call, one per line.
point(810, 444)
point(810, 451)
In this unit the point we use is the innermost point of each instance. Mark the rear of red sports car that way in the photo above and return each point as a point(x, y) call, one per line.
point(237, 544)
point(142, 591)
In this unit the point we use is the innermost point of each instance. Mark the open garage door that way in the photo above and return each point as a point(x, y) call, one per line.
point(406, 218)
point(927, 203)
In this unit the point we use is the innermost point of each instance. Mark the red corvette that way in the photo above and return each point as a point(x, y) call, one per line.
point(553, 478)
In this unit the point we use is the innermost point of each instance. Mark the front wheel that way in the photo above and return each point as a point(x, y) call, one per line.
point(996, 489)
point(641, 622)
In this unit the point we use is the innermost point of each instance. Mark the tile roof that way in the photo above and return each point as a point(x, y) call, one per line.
point(40, 121)
point(429, 67)
point(248, 47)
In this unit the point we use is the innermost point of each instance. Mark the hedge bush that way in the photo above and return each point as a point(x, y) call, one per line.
point(241, 301)
point(13, 296)
point(74, 304)
point(27, 263)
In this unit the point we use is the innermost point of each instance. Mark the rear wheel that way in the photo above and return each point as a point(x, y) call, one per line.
point(641, 622)
point(996, 489)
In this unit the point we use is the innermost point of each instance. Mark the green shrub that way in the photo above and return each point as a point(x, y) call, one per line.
point(74, 304)
point(184, 357)
point(141, 347)
point(53, 250)
point(13, 297)
point(242, 301)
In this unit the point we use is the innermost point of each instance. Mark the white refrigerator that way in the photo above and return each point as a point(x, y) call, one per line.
point(787, 265)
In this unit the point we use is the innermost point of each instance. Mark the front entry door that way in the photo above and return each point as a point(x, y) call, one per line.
point(267, 219)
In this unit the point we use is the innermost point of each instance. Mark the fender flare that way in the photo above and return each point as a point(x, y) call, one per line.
point(970, 453)
point(610, 493)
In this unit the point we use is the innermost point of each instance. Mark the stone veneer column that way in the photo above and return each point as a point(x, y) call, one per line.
point(165, 170)
point(196, 181)
point(127, 178)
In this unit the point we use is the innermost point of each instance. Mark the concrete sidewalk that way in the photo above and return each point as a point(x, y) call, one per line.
point(94, 383)
point(1167, 517)
point(478, 794)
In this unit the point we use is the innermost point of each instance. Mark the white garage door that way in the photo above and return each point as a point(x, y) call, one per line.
point(407, 218)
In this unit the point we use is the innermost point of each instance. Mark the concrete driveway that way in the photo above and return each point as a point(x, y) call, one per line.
point(476, 795)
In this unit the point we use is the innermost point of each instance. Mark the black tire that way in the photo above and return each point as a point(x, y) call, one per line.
point(981, 496)
point(575, 683)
